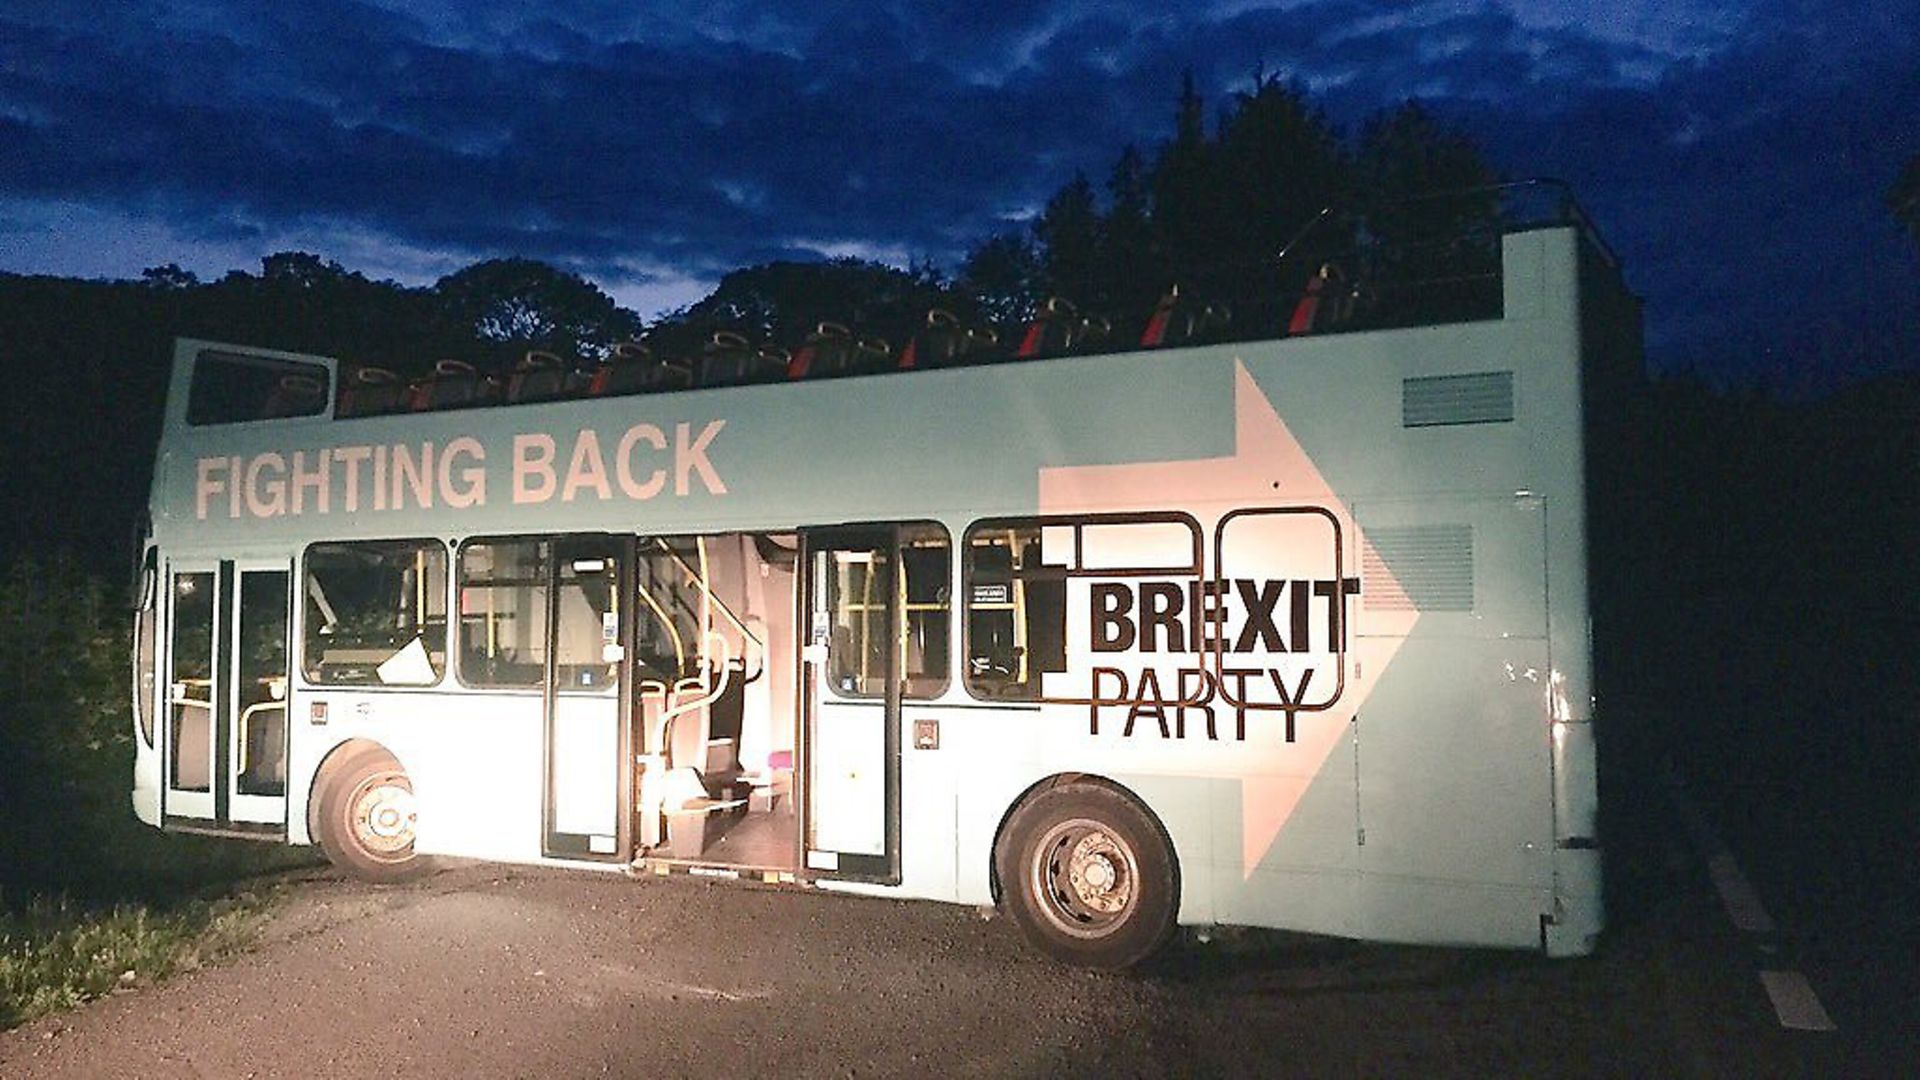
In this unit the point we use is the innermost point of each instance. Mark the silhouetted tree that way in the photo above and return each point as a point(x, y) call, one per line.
point(170, 276)
point(781, 302)
point(1433, 223)
point(1903, 198)
point(1130, 272)
point(523, 303)
point(1003, 277)
point(1189, 222)
point(1068, 237)
point(1281, 164)
point(1407, 153)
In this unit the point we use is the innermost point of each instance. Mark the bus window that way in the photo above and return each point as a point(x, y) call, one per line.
point(190, 694)
point(503, 612)
point(857, 597)
point(1016, 611)
point(926, 568)
point(922, 587)
point(376, 613)
point(232, 387)
point(587, 624)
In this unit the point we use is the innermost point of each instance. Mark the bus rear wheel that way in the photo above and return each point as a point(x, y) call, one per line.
point(1090, 876)
point(366, 817)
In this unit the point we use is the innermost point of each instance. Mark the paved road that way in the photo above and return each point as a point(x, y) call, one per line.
point(485, 972)
point(488, 971)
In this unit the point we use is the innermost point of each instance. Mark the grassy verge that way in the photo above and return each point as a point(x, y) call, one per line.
point(91, 900)
point(57, 955)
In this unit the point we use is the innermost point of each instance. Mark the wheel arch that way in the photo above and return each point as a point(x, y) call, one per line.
point(330, 765)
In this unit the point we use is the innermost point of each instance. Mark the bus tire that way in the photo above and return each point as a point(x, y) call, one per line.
point(1090, 876)
point(366, 817)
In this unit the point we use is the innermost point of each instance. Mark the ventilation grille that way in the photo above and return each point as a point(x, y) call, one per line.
point(1483, 398)
point(1418, 568)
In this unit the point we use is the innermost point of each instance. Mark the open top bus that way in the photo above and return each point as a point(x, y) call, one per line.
point(1290, 631)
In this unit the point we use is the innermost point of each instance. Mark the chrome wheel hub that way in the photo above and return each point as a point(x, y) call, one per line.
point(384, 817)
point(1085, 877)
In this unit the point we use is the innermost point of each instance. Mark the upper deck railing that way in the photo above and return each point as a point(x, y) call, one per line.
point(1421, 261)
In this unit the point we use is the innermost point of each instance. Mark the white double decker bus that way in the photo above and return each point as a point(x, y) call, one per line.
point(1289, 632)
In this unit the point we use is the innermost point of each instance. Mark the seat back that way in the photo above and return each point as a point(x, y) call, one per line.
point(1051, 332)
point(632, 368)
point(371, 392)
point(539, 376)
point(1324, 303)
point(295, 395)
point(729, 359)
point(818, 353)
point(1179, 319)
point(452, 383)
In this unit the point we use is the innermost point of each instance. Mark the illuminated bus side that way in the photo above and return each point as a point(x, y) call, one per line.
point(1287, 633)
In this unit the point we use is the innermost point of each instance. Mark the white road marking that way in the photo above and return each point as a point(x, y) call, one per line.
point(1795, 1003)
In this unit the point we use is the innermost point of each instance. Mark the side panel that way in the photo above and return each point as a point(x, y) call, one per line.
point(1456, 800)
point(473, 758)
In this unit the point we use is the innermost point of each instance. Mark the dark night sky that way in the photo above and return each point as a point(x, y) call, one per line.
point(1736, 156)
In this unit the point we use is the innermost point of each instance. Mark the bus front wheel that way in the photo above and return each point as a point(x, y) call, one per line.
point(366, 817)
point(1090, 876)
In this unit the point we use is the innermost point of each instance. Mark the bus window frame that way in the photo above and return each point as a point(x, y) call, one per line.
point(302, 600)
point(198, 401)
point(908, 692)
point(1074, 521)
point(455, 652)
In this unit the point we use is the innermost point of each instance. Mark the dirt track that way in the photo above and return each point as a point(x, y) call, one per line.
point(486, 971)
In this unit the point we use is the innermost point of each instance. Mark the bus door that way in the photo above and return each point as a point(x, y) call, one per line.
point(586, 737)
point(850, 795)
point(225, 736)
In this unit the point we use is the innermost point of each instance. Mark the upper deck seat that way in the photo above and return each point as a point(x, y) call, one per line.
point(1324, 304)
point(295, 395)
point(631, 368)
point(832, 351)
point(1059, 328)
point(821, 348)
point(1179, 319)
point(371, 391)
point(946, 342)
point(729, 359)
point(538, 376)
point(452, 384)
point(935, 345)
point(867, 356)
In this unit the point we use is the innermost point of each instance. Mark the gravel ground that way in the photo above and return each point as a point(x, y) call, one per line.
point(481, 971)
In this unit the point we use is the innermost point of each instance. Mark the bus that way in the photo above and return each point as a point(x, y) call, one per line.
point(1281, 626)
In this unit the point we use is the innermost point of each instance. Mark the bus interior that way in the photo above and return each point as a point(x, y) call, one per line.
point(715, 699)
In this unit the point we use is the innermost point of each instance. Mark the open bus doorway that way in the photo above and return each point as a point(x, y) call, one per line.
point(714, 691)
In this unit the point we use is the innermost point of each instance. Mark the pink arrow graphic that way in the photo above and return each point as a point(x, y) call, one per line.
point(1268, 468)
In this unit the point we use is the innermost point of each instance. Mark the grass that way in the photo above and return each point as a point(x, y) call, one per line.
point(91, 900)
point(56, 955)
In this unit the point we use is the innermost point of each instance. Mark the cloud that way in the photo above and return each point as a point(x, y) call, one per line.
point(1734, 158)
